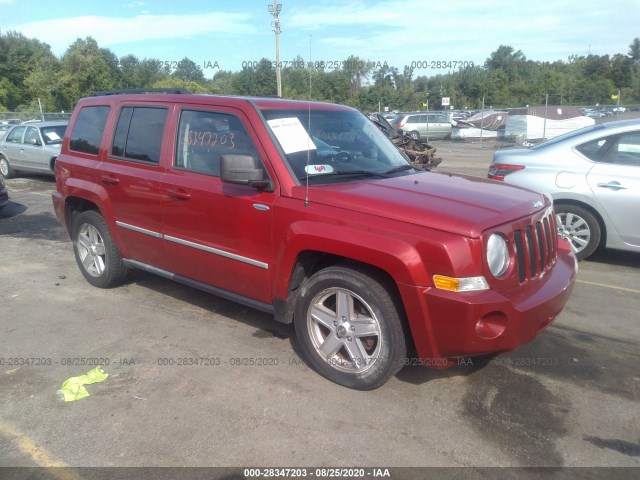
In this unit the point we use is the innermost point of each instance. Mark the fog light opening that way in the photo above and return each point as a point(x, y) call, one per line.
point(491, 325)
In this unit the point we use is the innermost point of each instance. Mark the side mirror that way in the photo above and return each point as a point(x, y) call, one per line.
point(242, 170)
point(34, 141)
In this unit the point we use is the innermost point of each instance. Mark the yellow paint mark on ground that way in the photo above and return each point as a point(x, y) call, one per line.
point(41, 456)
point(606, 285)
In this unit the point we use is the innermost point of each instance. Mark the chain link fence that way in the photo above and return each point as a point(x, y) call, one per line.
point(19, 117)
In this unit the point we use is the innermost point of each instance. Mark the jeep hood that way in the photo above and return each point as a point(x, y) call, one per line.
point(452, 203)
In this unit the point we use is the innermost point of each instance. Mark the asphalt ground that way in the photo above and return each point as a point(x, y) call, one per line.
point(570, 398)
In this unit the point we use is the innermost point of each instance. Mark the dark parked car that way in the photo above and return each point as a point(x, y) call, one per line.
point(4, 194)
point(31, 148)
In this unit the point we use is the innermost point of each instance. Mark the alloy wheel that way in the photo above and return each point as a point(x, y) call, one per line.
point(344, 330)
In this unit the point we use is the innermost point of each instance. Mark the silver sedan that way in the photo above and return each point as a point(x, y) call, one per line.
point(593, 175)
point(31, 148)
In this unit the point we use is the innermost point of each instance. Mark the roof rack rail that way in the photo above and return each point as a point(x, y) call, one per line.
point(100, 93)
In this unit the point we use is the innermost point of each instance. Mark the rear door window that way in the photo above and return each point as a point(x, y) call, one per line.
point(139, 134)
point(627, 150)
point(15, 135)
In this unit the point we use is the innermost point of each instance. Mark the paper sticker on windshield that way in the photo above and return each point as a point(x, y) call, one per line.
point(52, 136)
point(318, 169)
point(291, 135)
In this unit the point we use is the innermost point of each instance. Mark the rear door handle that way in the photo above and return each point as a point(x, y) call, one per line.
point(179, 194)
point(109, 180)
point(612, 185)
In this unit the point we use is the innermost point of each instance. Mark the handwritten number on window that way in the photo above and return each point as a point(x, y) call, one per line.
point(209, 139)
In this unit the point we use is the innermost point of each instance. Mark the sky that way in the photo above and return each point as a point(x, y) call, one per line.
point(227, 35)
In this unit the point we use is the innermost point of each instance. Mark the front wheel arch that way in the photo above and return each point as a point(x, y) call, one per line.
point(368, 299)
point(309, 262)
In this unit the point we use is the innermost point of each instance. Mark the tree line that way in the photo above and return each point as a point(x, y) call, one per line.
point(30, 71)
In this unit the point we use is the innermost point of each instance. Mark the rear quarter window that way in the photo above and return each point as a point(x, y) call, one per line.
point(87, 131)
point(595, 149)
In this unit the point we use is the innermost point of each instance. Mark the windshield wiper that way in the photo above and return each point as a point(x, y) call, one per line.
point(339, 173)
point(399, 168)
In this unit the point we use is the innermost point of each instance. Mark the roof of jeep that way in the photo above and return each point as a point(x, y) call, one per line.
point(266, 103)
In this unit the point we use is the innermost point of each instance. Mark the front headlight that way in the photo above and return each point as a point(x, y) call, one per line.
point(497, 255)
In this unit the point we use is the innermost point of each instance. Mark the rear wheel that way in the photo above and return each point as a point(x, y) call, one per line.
point(6, 170)
point(580, 227)
point(349, 328)
point(97, 255)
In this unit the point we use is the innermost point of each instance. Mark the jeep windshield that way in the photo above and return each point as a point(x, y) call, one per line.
point(330, 146)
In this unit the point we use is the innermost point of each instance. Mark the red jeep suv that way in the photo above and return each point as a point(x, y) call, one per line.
point(307, 211)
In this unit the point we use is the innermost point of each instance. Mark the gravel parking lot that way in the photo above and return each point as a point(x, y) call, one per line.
point(198, 381)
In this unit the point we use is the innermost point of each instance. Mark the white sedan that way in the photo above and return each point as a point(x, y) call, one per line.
point(593, 175)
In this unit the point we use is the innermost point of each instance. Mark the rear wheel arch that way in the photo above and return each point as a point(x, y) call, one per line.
point(593, 211)
point(74, 206)
point(589, 209)
point(96, 254)
point(6, 169)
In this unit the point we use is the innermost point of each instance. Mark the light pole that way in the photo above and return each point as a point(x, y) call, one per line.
point(275, 10)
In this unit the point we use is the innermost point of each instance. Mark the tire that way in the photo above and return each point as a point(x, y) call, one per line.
point(349, 329)
point(415, 135)
point(580, 227)
point(6, 170)
point(97, 255)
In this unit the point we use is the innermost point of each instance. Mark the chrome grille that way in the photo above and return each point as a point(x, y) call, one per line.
point(536, 247)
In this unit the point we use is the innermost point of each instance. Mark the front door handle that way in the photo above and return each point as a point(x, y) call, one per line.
point(179, 194)
point(109, 180)
point(612, 185)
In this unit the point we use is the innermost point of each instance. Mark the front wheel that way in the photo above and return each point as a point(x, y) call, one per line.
point(349, 327)
point(580, 228)
point(97, 255)
point(415, 135)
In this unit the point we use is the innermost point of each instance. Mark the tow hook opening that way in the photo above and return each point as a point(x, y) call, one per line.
point(491, 325)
